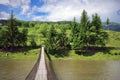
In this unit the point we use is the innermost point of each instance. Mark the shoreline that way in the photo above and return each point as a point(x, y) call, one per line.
point(70, 55)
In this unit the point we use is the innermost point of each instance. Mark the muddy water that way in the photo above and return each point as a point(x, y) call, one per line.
point(86, 70)
point(15, 69)
point(64, 69)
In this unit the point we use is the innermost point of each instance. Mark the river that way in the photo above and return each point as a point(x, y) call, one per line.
point(64, 69)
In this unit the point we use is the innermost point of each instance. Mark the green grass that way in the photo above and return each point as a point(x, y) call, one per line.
point(114, 39)
point(20, 55)
point(69, 54)
point(112, 55)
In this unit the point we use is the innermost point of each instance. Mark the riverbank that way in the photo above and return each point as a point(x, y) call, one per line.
point(113, 54)
point(31, 54)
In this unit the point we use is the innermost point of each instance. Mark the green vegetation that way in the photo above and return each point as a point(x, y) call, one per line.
point(71, 54)
point(113, 39)
point(21, 54)
point(82, 36)
point(10, 36)
point(62, 40)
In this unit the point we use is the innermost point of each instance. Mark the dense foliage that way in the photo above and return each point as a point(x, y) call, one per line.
point(54, 35)
point(86, 34)
point(10, 36)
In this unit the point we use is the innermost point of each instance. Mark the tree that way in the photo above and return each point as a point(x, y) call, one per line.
point(108, 22)
point(51, 42)
point(11, 36)
point(3, 35)
point(84, 27)
point(56, 39)
point(12, 31)
point(99, 34)
point(62, 38)
point(74, 35)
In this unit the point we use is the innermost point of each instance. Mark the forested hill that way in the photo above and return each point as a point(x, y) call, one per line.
point(112, 26)
point(3, 22)
point(28, 23)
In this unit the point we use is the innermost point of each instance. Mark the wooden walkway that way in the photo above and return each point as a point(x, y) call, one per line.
point(40, 70)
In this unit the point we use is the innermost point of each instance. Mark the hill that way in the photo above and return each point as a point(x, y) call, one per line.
point(113, 26)
point(3, 22)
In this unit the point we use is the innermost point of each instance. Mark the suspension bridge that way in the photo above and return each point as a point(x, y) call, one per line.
point(40, 70)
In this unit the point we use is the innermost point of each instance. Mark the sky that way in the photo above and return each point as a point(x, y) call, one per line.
point(59, 10)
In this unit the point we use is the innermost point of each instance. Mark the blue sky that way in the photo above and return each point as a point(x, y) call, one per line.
point(59, 10)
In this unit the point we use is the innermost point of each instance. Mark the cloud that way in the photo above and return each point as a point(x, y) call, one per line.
point(25, 9)
point(58, 10)
point(23, 4)
point(48, 1)
point(4, 15)
point(4, 1)
point(65, 10)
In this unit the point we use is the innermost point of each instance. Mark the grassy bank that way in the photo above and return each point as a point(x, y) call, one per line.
point(31, 54)
point(100, 55)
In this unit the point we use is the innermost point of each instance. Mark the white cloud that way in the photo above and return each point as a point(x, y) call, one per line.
point(4, 15)
point(67, 9)
point(4, 1)
point(23, 4)
point(48, 1)
point(25, 9)
point(15, 3)
point(59, 10)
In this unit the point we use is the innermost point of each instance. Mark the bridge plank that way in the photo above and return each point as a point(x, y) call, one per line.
point(42, 70)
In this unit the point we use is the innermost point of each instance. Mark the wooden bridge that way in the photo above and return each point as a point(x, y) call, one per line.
point(40, 70)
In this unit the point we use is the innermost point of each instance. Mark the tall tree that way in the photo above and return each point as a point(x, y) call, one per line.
point(96, 21)
point(84, 25)
point(12, 31)
point(51, 42)
point(108, 22)
point(99, 34)
point(74, 36)
point(14, 37)
point(63, 39)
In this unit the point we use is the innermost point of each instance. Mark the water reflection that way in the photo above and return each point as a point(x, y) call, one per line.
point(15, 70)
point(63, 69)
point(86, 70)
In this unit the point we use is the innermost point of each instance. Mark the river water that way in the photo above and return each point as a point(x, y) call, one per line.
point(63, 69)
point(87, 70)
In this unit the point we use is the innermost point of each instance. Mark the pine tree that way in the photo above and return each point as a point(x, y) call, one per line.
point(84, 25)
point(12, 31)
point(99, 35)
point(63, 40)
point(96, 21)
point(15, 37)
point(108, 22)
point(52, 40)
point(74, 36)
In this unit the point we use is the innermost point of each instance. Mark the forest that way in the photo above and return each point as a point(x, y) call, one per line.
point(83, 36)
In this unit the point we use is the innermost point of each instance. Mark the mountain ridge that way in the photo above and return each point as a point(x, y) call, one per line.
point(112, 26)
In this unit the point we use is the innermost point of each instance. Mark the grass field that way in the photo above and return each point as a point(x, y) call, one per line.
point(114, 39)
